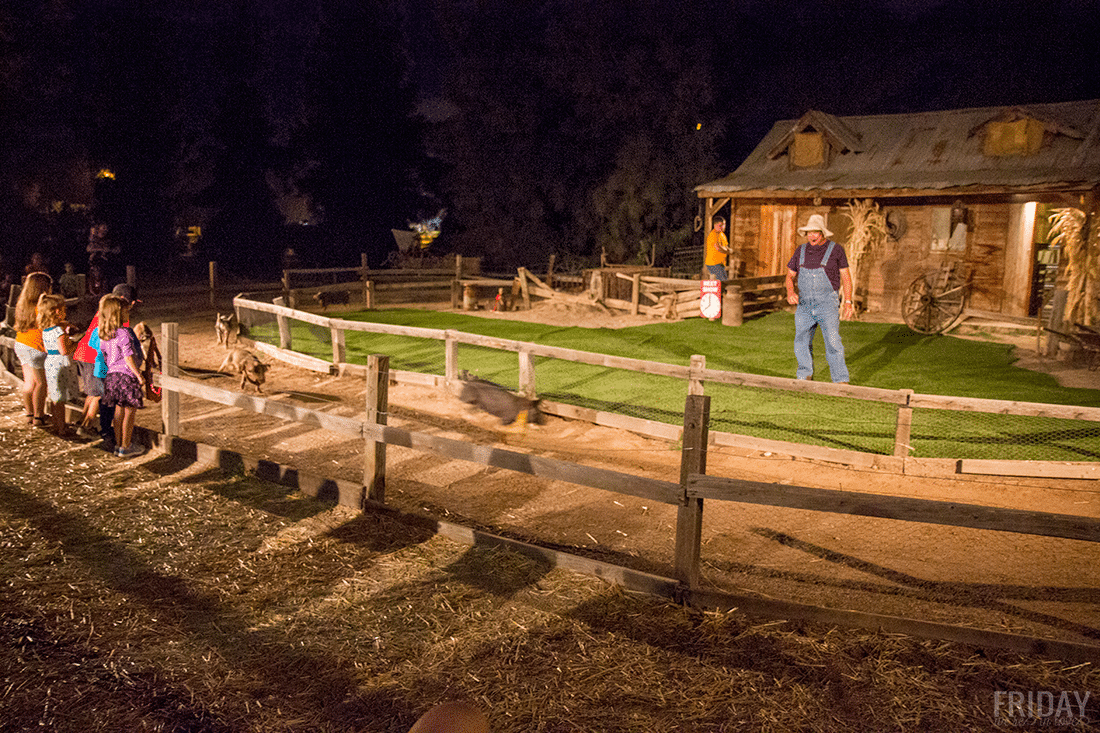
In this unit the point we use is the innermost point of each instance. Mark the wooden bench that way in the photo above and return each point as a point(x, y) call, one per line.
point(466, 290)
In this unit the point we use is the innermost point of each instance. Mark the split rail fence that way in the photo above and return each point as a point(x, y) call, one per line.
point(687, 494)
point(882, 418)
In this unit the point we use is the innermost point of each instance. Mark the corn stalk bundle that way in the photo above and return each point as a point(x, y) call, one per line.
point(868, 236)
point(1068, 231)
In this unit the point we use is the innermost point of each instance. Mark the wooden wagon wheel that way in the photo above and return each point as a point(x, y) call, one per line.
point(935, 300)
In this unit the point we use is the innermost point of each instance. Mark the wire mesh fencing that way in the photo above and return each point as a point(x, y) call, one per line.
point(851, 423)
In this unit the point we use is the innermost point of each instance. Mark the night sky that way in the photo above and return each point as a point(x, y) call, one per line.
point(776, 60)
point(565, 119)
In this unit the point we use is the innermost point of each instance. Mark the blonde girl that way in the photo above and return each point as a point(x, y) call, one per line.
point(61, 384)
point(29, 347)
point(124, 385)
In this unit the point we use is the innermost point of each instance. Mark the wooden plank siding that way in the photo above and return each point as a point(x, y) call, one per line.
point(985, 255)
point(744, 233)
point(758, 236)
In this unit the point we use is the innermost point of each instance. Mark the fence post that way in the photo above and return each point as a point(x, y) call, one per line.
point(635, 292)
point(339, 350)
point(550, 271)
point(450, 356)
point(689, 515)
point(695, 383)
point(523, 289)
point(284, 326)
point(213, 268)
point(368, 299)
point(170, 399)
point(374, 452)
point(526, 374)
point(903, 431)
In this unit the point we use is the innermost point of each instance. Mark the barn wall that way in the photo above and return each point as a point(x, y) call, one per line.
point(744, 234)
point(985, 255)
point(990, 255)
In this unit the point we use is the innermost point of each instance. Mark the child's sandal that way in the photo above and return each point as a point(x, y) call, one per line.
point(41, 421)
point(29, 419)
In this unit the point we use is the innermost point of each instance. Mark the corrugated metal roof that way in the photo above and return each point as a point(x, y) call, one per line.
point(933, 150)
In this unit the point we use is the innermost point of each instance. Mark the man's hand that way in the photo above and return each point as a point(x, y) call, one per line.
point(792, 298)
point(847, 312)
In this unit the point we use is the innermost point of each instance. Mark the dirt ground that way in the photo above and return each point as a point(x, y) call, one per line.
point(907, 569)
point(153, 594)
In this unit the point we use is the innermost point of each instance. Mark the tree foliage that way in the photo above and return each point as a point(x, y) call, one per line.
point(584, 129)
point(360, 142)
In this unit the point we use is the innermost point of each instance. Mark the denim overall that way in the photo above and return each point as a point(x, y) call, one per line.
point(818, 305)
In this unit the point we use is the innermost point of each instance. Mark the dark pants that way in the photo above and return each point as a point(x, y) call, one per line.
point(107, 422)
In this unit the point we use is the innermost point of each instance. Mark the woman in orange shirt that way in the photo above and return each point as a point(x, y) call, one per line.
point(29, 347)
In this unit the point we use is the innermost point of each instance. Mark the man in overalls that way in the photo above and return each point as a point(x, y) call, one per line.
point(821, 267)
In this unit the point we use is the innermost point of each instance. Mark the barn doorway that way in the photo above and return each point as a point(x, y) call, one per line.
point(777, 238)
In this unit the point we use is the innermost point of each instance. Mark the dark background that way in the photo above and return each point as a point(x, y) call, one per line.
point(567, 127)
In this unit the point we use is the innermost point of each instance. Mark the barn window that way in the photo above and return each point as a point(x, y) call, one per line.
point(948, 231)
point(1015, 138)
point(808, 150)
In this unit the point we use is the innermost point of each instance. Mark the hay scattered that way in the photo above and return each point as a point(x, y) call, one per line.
point(158, 596)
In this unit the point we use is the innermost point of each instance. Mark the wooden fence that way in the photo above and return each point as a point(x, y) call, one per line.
point(687, 494)
point(371, 284)
point(696, 375)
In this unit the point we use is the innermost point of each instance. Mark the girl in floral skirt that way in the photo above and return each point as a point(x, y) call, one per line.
point(124, 384)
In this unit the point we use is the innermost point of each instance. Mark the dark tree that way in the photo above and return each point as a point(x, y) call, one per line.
point(582, 130)
point(42, 158)
point(245, 232)
point(131, 86)
point(360, 143)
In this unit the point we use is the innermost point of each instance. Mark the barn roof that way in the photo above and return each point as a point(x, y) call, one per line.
point(926, 150)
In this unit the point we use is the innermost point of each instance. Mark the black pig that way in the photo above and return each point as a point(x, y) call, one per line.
point(328, 297)
point(499, 402)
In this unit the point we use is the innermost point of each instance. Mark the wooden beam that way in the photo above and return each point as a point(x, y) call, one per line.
point(689, 514)
point(1005, 407)
point(547, 468)
point(879, 623)
point(902, 508)
point(170, 356)
point(377, 406)
point(1036, 469)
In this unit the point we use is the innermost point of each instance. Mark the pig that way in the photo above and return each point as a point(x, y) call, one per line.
point(226, 326)
point(248, 366)
point(326, 297)
point(499, 402)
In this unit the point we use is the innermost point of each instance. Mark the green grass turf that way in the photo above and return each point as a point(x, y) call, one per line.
point(889, 356)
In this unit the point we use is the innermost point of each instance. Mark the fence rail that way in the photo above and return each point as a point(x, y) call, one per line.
point(687, 494)
point(903, 402)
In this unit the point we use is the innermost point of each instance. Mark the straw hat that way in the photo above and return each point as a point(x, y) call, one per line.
point(815, 224)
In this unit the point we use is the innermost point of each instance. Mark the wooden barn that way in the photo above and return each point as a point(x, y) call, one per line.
point(970, 191)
